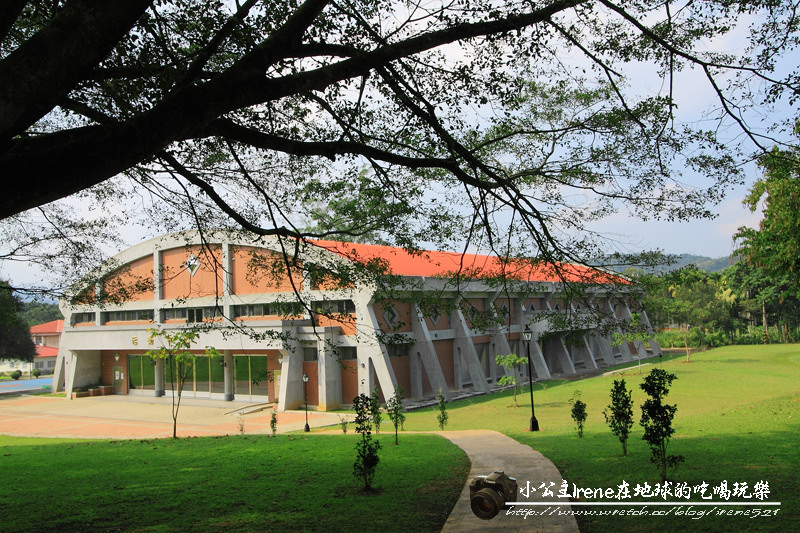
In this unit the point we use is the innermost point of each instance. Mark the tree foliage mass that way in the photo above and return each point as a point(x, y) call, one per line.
point(467, 116)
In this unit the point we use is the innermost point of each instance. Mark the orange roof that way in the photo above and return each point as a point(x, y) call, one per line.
point(54, 326)
point(46, 351)
point(446, 264)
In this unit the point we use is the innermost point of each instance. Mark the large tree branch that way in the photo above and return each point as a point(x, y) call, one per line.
point(9, 11)
point(65, 162)
point(49, 64)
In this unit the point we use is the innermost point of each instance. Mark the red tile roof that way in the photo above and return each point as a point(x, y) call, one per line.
point(445, 264)
point(46, 351)
point(54, 326)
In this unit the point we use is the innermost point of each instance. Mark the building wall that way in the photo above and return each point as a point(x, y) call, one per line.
point(229, 273)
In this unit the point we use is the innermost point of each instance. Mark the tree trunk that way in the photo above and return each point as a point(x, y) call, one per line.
point(764, 321)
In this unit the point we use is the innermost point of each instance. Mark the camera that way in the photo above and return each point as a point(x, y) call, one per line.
point(488, 494)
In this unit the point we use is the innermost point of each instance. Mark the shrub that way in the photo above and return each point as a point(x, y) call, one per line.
point(366, 449)
point(375, 410)
point(442, 416)
point(657, 419)
point(395, 409)
point(36, 372)
point(619, 414)
point(16, 374)
point(511, 363)
point(579, 413)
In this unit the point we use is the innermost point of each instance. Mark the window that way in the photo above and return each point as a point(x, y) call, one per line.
point(334, 306)
point(398, 350)
point(128, 316)
point(347, 353)
point(198, 314)
point(83, 318)
point(191, 314)
point(309, 354)
point(390, 315)
point(251, 310)
point(435, 316)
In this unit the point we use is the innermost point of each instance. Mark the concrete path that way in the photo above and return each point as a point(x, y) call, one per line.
point(131, 417)
point(490, 451)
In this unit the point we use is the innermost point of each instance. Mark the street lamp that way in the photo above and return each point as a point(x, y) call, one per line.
point(526, 335)
point(305, 392)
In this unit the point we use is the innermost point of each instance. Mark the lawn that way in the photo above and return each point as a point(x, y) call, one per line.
point(738, 421)
point(226, 484)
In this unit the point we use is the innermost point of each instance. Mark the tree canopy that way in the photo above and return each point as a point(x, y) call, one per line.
point(774, 249)
point(15, 334)
point(501, 126)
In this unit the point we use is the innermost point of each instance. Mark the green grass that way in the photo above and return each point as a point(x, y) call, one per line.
point(738, 420)
point(236, 483)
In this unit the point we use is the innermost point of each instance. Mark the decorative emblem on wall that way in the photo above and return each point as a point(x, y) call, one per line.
point(192, 264)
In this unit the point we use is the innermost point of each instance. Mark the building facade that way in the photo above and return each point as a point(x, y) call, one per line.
point(276, 313)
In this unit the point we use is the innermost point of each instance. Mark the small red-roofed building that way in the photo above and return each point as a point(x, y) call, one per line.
point(46, 338)
point(350, 318)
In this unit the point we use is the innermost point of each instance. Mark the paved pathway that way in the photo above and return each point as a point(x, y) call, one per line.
point(490, 451)
point(119, 417)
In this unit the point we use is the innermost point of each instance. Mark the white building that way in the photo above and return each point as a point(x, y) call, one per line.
point(435, 331)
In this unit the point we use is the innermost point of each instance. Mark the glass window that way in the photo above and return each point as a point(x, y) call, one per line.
point(347, 353)
point(141, 372)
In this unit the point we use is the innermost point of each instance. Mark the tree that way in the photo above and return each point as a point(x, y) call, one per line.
point(375, 410)
point(240, 114)
point(697, 302)
point(15, 334)
point(175, 351)
point(657, 419)
point(394, 408)
point(619, 414)
point(578, 411)
point(366, 449)
point(773, 249)
point(634, 331)
point(511, 363)
point(40, 312)
point(442, 416)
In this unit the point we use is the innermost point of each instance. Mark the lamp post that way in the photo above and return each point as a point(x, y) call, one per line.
point(305, 393)
point(526, 335)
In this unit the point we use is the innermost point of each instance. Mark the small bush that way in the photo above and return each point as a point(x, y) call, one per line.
point(366, 449)
point(619, 414)
point(36, 372)
point(16, 374)
point(442, 416)
point(579, 413)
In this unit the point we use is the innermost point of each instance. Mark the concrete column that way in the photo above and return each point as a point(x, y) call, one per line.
point(159, 381)
point(330, 375)
point(227, 357)
point(291, 392)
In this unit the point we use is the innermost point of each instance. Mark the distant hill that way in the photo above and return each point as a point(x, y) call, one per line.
point(709, 264)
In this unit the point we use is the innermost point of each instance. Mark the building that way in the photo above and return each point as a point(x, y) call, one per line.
point(46, 338)
point(437, 326)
